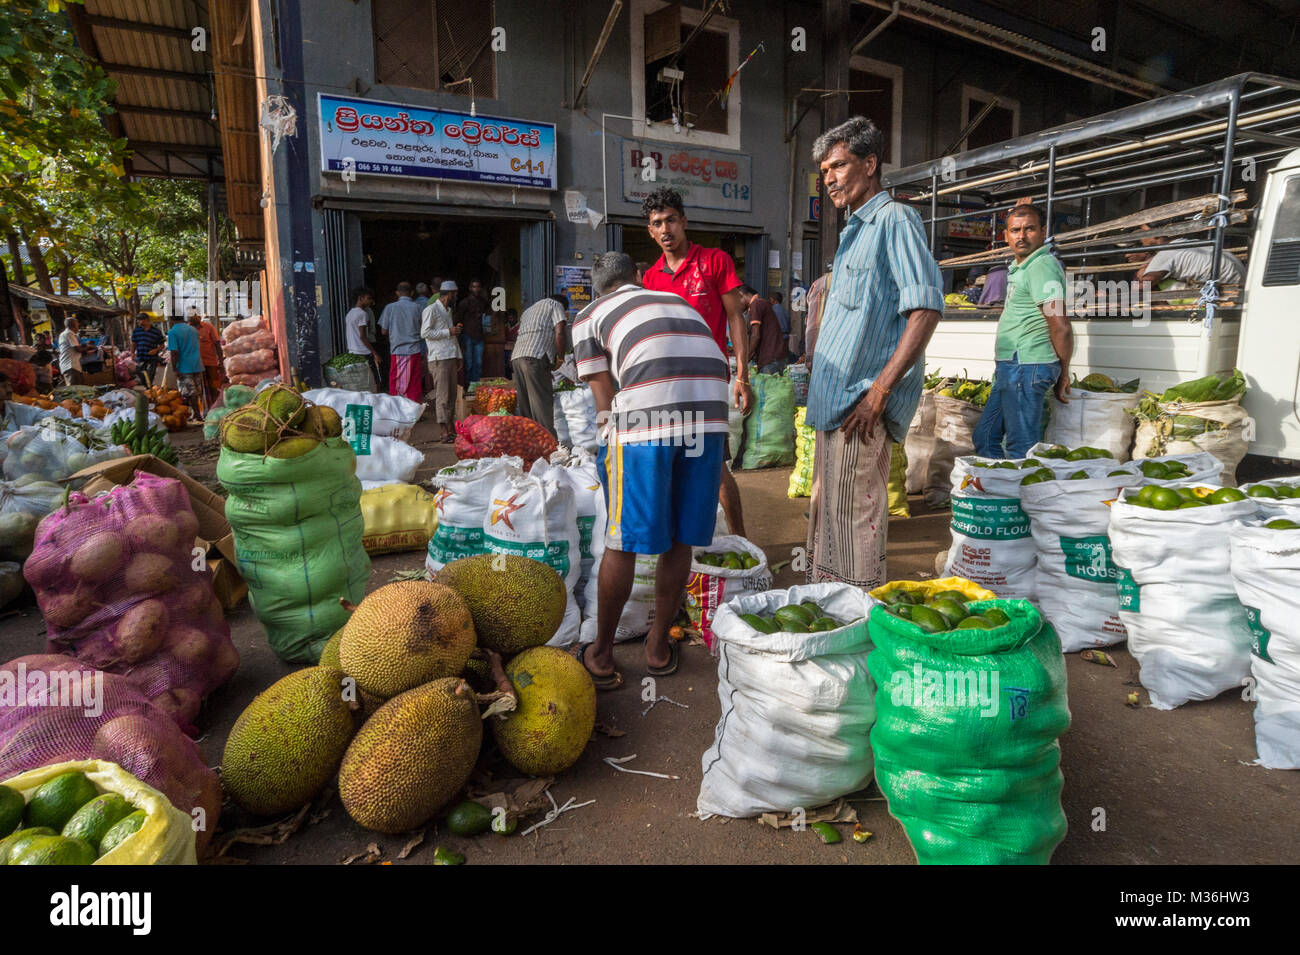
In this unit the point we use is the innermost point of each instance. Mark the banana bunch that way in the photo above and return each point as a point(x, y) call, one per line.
point(144, 441)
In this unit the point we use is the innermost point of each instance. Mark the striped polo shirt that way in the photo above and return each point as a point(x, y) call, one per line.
point(670, 375)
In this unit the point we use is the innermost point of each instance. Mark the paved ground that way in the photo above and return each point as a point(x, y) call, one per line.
point(1175, 787)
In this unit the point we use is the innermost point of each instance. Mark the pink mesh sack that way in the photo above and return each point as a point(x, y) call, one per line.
point(250, 343)
point(251, 362)
point(115, 578)
point(494, 436)
point(64, 710)
point(245, 326)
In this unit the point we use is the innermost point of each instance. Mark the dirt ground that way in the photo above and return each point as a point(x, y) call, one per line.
point(1141, 785)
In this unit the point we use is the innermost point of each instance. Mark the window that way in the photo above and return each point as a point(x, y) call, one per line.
point(433, 44)
point(658, 30)
point(880, 100)
point(1001, 123)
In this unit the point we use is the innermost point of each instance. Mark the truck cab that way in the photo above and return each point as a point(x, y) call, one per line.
point(1268, 352)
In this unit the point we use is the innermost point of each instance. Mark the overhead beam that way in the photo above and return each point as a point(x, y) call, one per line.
point(127, 69)
point(138, 26)
point(164, 111)
point(190, 148)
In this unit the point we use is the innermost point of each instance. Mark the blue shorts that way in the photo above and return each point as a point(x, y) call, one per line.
point(659, 494)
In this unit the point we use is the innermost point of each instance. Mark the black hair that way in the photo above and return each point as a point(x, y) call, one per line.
point(661, 200)
point(562, 299)
point(1028, 208)
point(359, 291)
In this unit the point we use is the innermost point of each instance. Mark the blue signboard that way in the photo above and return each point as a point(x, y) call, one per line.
point(367, 137)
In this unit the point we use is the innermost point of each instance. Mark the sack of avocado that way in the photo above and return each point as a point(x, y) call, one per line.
point(729, 567)
point(93, 812)
point(298, 533)
point(1186, 628)
point(797, 706)
point(1265, 564)
point(991, 541)
point(1075, 580)
point(70, 711)
point(1096, 418)
point(1171, 470)
point(967, 729)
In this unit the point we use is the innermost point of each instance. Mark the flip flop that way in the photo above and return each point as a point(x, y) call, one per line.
point(669, 668)
point(607, 681)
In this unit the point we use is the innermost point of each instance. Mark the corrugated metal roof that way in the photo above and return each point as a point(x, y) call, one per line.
point(167, 93)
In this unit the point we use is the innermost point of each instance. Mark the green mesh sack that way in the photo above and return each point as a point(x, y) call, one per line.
point(966, 732)
point(805, 444)
point(298, 530)
point(769, 428)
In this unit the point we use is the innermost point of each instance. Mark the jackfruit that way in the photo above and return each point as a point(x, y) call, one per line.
point(516, 602)
point(549, 729)
point(312, 424)
point(329, 655)
point(406, 634)
point(288, 742)
point(412, 757)
point(331, 422)
point(1097, 382)
point(284, 405)
point(294, 447)
point(248, 430)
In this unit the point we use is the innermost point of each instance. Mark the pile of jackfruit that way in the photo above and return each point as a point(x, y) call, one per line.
point(397, 703)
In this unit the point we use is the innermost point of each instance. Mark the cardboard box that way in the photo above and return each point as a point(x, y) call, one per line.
point(215, 535)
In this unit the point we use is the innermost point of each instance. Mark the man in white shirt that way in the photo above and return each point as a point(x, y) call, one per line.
point(1175, 266)
point(70, 352)
point(439, 334)
point(354, 324)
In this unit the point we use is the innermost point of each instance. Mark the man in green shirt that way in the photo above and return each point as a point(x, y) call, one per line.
point(1034, 343)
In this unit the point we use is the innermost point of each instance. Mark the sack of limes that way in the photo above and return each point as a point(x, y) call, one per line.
point(797, 701)
point(1186, 628)
point(1265, 564)
point(729, 567)
point(90, 812)
point(968, 717)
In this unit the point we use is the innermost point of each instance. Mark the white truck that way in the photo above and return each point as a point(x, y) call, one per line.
point(1216, 167)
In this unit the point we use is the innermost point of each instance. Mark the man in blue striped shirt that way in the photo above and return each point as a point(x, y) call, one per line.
point(884, 299)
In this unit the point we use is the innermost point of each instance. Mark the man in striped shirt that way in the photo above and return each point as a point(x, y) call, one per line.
point(883, 301)
point(148, 342)
point(539, 349)
point(660, 385)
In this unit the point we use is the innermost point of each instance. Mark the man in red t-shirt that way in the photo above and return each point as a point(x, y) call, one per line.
point(706, 278)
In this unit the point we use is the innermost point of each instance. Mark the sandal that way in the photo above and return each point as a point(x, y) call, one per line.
point(607, 681)
point(669, 668)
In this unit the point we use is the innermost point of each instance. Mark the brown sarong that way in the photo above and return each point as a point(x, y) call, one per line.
point(848, 516)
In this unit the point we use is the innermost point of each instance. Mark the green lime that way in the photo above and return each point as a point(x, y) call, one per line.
point(929, 619)
point(469, 818)
point(1155, 470)
point(1226, 495)
point(975, 622)
point(96, 817)
point(11, 809)
point(1285, 490)
point(1143, 497)
point(1282, 524)
point(995, 616)
point(1262, 490)
point(1079, 454)
point(952, 610)
point(1079, 476)
point(121, 832)
point(1164, 499)
point(1117, 474)
point(56, 800)
point(11, 845)
point(55, 850)
point(1031, 463)
point(1038, 477)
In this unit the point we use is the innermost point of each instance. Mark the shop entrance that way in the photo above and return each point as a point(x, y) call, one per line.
point(638, 244)
point(419, 249)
